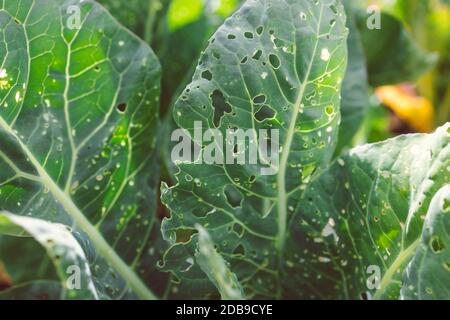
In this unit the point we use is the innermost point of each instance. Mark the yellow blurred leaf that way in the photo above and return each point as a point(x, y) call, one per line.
point(414, 110)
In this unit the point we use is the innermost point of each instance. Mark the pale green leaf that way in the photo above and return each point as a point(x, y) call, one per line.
point(428, 275)
point(216, 268)
point(365, 213)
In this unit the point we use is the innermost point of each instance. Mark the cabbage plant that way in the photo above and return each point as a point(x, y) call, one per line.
point(92, 206)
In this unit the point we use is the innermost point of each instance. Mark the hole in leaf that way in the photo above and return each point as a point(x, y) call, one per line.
point(436, 244)
point(184, 235)
point(334, 9)
point(252, 179)
point(239, 250)
point(274, 61)
point(238, 229)
point(200, 212)
point(207, 75)
point(364, 296)
point(248, 35)
point(278, 42)
point(259, 99)
point(122, 107)
point(257, 55)
point(264, 113)
point(234, 197)
point(259, 30)
point(220, 106)
point(329, 110)
point(231, 36)
point(244, 60)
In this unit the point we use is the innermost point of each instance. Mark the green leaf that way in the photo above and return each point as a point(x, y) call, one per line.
point(78, 123)
point(37, 290)
point(183, 12)
point(262, 59)
point(61, 246)
point(392, 54)
point(216, 268)
point(428, 275)
point(32, 257)
point(133, 14)
point(355, 88)
point(365, 213)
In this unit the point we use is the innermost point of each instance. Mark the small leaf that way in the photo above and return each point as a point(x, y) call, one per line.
point(217, 268)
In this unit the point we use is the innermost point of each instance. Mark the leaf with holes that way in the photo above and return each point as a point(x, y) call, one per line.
point(78, 120)
point(273, 66)
point(359, 224)
point(428, 275)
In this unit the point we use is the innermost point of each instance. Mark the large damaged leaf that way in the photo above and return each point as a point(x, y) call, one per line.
point(275, 66)
point(78, 118)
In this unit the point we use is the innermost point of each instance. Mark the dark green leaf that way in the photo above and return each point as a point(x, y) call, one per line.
point(392, 54)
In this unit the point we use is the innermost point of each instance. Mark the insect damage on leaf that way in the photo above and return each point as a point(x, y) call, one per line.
point(263, 69)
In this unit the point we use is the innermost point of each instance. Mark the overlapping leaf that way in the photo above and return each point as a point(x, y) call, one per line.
point(366, 214)
point(78, 119)
point(64, 250)
point(428, 275)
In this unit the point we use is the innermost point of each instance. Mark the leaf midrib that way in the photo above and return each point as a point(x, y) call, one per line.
point(281, 179)
point(402, 257)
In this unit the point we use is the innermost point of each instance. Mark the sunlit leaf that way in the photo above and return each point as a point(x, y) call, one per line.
point(78, 122)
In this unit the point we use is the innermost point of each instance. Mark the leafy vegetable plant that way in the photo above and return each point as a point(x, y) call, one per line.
point(85, 147)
